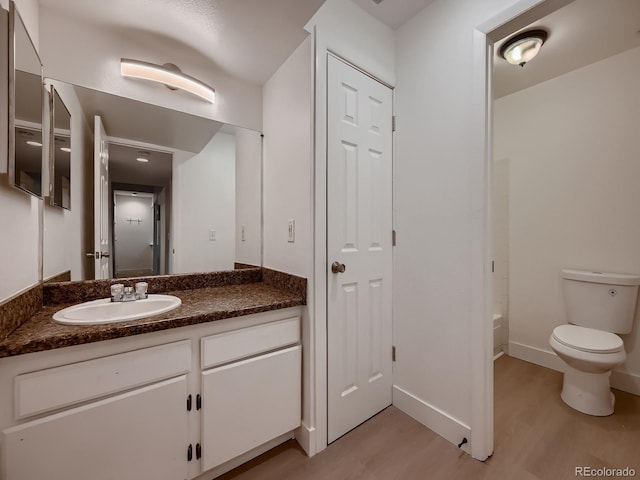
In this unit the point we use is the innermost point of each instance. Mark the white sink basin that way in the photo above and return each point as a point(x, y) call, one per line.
point(102, 311)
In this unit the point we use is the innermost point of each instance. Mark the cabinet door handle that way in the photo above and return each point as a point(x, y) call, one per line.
point(189, 403)
point(198, 451)
point(190, 453)
point(198, 402)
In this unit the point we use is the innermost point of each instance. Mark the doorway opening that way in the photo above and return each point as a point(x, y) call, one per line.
point(140, 193)
point(560, 164)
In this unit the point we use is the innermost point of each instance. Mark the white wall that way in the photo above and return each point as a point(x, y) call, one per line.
point(287, 191)
point(20, 213)
point(89, 55)
point(204, 200)
point(572, 144)
point(248, 196)
point(346, 29)
point(287, 164)
point(437, 214)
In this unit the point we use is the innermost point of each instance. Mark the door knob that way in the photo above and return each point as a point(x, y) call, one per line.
point(337, 267)
point(105, 254)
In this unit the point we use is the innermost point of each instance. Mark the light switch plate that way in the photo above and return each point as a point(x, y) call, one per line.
point(292, 231)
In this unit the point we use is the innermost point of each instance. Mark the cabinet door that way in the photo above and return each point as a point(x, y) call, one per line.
point(141, 434)
point(248, 403)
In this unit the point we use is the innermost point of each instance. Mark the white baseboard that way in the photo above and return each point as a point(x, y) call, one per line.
point(625, 381)
point(306, 437)
point(432, 417)
point(544, 358)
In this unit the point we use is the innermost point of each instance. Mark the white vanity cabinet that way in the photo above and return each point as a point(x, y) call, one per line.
point(140, 416)
point(139, 434)
point(177, 404)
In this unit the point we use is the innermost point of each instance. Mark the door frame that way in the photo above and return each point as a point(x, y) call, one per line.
point(501, 24)
point(317, 430)
point(389, 88)
point(113, 204)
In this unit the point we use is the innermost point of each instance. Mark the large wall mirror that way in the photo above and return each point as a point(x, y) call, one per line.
point(59, 151)
point(181, 193)
point(25, 108)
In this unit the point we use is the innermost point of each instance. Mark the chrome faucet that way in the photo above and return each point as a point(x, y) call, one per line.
point(120, 293)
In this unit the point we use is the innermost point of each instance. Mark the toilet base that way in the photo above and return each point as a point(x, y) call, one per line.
point(588, 393)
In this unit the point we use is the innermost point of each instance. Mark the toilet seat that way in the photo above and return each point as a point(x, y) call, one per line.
point(587, 339)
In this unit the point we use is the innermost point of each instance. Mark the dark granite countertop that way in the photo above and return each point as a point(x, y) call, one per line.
point(200, 305)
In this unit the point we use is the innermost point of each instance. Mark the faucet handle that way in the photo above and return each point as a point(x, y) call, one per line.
point(141, 290)
point(116, 292)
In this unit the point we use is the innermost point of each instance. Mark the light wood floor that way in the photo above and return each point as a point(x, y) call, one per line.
point(536, 437)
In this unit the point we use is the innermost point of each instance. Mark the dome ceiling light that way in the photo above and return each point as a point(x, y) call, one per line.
point(521, 48)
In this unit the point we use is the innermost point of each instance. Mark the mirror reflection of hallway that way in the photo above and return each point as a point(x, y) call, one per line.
point(134, 218)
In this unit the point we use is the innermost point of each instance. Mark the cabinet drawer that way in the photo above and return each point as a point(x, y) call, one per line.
point(54, 388)
point(235, 345)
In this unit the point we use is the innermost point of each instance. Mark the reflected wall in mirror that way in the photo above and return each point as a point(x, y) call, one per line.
point(25, 108)
point(184, 191)
point(59, 152)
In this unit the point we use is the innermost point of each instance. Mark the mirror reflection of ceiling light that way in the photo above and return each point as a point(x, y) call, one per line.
point(142, 160)
point(520, 49)
point(65, 149)
point(167, 74)
point(33, 143)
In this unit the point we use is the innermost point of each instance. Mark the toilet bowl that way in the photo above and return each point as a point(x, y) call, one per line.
point(590, 356)
point(599, 305)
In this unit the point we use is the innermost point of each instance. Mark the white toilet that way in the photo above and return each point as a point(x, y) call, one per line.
point(599, 305)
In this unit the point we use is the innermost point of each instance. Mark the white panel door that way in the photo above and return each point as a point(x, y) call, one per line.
point(359, 230)
point(101, 200)
point(141, 434)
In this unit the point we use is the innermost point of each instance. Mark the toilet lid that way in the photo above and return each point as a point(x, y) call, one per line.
point(588, 339)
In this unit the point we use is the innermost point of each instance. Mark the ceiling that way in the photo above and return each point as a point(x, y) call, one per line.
point(124, 168)
point(248, 39)
point(393, 13)
point(142, 122)
point(581, 33)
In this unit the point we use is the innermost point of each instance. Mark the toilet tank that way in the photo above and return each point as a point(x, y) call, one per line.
point(604, 301)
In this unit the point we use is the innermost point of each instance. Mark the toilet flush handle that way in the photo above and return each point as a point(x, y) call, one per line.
point(337, 267)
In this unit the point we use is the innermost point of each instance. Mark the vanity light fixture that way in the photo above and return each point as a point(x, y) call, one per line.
point(33, 143)
point(142, 160)
point(167, 74)
point(521, 48)
point(65, 149)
